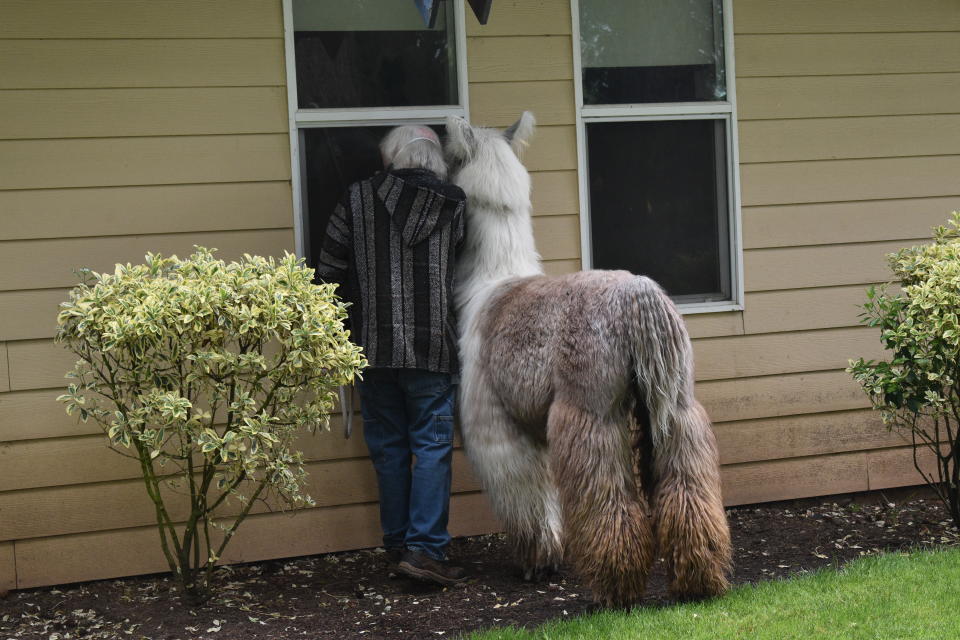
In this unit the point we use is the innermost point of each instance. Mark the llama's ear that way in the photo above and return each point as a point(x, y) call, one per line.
point(461, 140)
point(519, 133)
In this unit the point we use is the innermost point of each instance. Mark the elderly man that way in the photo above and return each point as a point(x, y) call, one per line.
point(391, 244)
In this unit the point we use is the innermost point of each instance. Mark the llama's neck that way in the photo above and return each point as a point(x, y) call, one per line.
point(499, 246)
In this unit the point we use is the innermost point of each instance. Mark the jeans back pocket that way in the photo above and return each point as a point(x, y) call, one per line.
point(443, 428)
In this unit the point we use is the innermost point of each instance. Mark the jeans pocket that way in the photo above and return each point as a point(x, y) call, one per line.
point(443, 428)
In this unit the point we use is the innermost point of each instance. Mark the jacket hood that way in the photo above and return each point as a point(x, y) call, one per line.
point(418, 202)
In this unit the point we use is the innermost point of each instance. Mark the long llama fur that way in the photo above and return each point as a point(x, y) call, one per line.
point(555, 372)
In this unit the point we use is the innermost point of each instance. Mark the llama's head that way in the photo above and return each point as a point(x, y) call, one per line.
point(485, 163)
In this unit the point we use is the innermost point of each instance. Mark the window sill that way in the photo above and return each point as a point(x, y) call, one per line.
point(709, 307)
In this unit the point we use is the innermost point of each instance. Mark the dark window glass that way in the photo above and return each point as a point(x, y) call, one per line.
point(372, 53)
point(651, 51)
point(334, 158)
point(658, 203)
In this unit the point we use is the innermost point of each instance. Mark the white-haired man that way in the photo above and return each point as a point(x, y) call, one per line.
point(391, 244)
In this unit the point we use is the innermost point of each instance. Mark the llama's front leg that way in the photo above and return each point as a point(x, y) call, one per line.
point(514, 472)
point(540, 551)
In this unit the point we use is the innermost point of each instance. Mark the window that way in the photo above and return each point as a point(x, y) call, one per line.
point(656, 128)
point(354, 70)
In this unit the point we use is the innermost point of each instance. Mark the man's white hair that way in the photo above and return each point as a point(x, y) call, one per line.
point(413, 147)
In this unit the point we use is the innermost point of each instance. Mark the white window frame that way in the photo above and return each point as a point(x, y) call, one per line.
point(300, 119)
point(719, 110)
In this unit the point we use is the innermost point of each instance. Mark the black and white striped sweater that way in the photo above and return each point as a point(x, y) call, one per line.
point(391, 244)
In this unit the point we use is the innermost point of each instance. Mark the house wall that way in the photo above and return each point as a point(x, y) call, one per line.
point(133, 125)
point(849, 149)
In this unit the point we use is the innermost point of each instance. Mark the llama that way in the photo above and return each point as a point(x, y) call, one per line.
point(555, 370)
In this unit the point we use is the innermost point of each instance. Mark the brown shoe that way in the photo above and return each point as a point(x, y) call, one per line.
point(422, 567)
point(394, 554)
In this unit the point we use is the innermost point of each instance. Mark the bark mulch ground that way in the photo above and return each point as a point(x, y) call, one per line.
point(353, 594)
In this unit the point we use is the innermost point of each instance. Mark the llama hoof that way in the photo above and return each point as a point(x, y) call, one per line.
point(540, 574)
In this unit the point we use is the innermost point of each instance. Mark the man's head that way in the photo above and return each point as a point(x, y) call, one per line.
point(413, 147)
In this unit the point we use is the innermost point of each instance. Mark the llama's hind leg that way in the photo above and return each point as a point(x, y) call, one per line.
point(692, 530)
point(514, 472)
point(607, 532)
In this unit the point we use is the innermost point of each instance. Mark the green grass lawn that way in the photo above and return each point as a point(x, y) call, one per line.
point(888, 597)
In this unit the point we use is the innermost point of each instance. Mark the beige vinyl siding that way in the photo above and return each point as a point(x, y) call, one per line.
point(131, 125)
point(849, 150)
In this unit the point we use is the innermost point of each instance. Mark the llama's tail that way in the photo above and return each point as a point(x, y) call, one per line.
point(662, 355)
point(682, 462)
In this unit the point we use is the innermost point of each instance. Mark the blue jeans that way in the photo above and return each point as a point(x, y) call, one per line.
point(406, 413)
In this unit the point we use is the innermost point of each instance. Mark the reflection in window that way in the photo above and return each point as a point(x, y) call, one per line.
point(372, 53)
point(658, 203)
point(651, 51)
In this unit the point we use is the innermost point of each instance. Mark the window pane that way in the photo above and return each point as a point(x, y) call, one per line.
point(333, 158)
point(651, 51)
point(372, 53)
point(658, 203)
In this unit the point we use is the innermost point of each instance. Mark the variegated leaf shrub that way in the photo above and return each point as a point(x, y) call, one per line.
point(917, 390)
point(206, 372)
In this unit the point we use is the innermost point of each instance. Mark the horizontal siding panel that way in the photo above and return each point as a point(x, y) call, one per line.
point(140, 19)
point(784, 395)
point(806, 435)
point(499, 59)
point(836, 180)
point(833, 138)
point(45, 164)
point(799, 309)
point(76, 460)
point(844, 222)
point(88, 459)
point(122, 504)
point(557, 237)
point(36, 414)
point(26, 315)
point(552, 149)
point(560, 267)
point(776, 353)
point(797, 267)
point(828, 97)
point(180, 208)
point(847, 53)
point(111, 554)
point(38, 364)
point(499, 104)
point(708, 325)
point(523, 18)
point(894, 467)
point(79, 64)
point(41, 264)
point(92, 113)
point(555, 193)
point(828, 16)
point(798, 478)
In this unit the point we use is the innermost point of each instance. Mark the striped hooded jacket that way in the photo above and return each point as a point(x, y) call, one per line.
point(391, 244)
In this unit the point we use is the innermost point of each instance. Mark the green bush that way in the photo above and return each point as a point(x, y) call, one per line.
point(206, 372)
point(917, 391)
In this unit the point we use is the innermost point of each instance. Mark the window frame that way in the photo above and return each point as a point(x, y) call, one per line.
point(300, 119)
point(724, 110)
